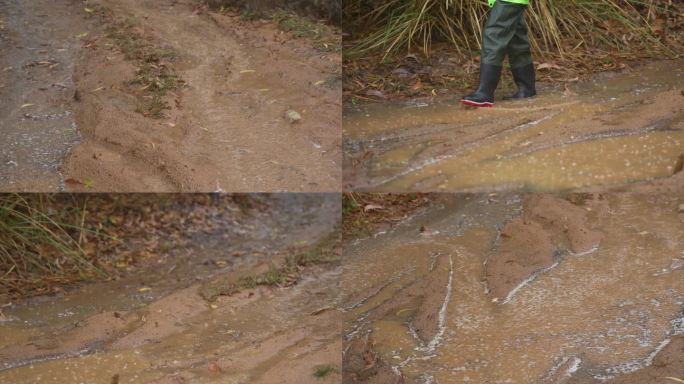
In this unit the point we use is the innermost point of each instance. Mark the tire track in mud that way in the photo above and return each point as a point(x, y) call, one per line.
point(225, 129)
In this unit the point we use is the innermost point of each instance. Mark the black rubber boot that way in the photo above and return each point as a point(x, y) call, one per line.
point(489, 80)
point(524, 79)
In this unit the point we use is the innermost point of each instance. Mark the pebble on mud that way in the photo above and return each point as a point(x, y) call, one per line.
point(292, 116)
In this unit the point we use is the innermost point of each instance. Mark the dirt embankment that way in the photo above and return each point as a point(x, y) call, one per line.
point(548, 229)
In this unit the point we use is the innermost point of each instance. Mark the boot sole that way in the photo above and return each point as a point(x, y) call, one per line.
point(485, 104)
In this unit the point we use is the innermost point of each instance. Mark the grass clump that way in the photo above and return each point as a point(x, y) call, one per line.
point(325, 37)
point(154, 75)
point(322, 371)
point(41, 247)
point(284, 274)
point(560, 27)
point(415, 48)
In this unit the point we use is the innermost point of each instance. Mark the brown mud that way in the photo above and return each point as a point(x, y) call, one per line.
point(601, 299)
point(224, 128)
point(612, 131)
point(157, 328)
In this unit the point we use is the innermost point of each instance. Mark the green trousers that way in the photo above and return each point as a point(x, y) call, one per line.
point(505, 33)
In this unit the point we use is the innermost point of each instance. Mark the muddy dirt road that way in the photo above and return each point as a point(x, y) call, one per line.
point(64, 70)
point(611, 130)
point(520, 289)
point(161, 327)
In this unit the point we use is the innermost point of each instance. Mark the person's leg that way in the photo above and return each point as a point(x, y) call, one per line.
point(499, 30)
point(520, 59)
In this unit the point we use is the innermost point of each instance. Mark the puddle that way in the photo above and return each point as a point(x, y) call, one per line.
point(613, 130)
point(167, 333)
point(426, 301)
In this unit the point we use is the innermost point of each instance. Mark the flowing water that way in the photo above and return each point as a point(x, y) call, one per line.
point(612, 130)
point(423, 297)
point(155, 327)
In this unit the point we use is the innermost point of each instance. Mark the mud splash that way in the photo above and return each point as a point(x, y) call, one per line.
point(604, 302)
point(613, 130)
point(155, 327)
point(36, 87)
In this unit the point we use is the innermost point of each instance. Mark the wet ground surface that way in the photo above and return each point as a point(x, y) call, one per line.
point(591, 290)
point(226, 128)
point(156, 328)
point(36, 88)
point(612, 130)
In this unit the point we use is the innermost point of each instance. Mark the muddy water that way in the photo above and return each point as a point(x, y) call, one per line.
point(36, 85)
point(611, 130)
point(425, 302)
point(155, 327)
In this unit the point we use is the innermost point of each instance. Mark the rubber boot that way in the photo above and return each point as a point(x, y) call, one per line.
point(489, 80)
point(524, 79)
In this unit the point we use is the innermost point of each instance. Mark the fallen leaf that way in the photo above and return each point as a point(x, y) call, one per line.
point(247, 71)
point(72, 181)
point(321, 310)
point(372, 207)
point(89, 183)
point(376, 93)
point(292, 116)
point(89, 10)
point(144, 289)
point(26, 106)
point(548, 66)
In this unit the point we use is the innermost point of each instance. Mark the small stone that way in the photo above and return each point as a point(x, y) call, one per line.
point(292, 116)
point(681, 208)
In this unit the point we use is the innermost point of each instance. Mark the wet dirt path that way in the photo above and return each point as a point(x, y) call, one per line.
point(608, 131)
point(224, 129)
point(592, 289)
point(156, 328)
point(37, 57)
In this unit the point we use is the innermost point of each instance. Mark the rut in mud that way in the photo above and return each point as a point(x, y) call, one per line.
point(224, 127)
point(155, 326)
point(519, 289)
point(612, 130)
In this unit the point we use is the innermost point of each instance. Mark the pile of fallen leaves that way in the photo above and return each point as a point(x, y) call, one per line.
point(362, 213)
point(49, 241)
